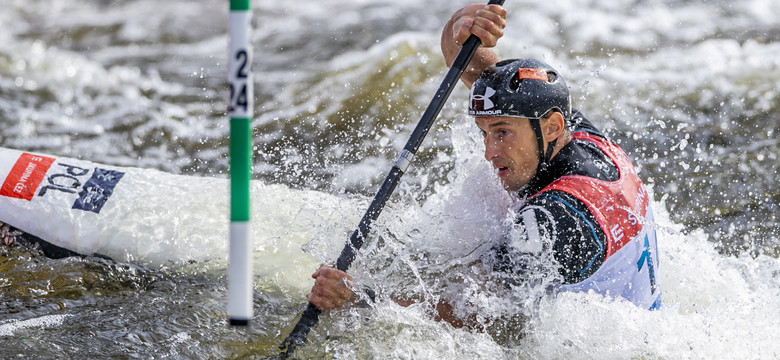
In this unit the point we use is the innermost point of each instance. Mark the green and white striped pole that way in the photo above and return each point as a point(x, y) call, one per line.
point(241, 111)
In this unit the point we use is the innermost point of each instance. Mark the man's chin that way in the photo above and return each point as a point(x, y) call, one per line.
point(510, 187)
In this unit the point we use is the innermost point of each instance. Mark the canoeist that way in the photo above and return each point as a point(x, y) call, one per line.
point(580, 200)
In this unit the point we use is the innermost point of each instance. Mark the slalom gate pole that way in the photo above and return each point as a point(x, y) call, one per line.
point(241, 111)
point(310, 316)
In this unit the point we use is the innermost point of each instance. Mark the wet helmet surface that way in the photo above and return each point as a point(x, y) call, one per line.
point(526, 88)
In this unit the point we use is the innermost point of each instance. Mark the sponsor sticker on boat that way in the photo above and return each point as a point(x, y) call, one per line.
point(26, 175)
point(97, 190)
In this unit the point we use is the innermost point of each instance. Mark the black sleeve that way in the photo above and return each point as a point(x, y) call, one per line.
point(553, 231)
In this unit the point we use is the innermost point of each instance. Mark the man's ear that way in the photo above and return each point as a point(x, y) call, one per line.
point(553, 126)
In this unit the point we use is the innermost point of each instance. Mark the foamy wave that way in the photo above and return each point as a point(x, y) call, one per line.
point(9, 327)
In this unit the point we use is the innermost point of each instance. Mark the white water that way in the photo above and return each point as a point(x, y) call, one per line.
point(715, 306)
point(7, 328)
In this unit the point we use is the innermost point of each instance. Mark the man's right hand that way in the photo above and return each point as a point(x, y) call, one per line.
point(486, 22)
point(331, 290)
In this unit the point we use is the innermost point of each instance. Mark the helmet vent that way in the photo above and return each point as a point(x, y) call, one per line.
point(514, 84)
point(530, 74)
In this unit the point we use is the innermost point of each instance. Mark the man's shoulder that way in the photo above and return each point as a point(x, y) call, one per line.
point(579, 122)
point(584, 158)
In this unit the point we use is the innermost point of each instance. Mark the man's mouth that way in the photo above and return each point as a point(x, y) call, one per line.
point(502, 170)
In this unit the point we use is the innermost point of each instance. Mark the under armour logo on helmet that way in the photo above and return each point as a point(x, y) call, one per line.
point(487, 104)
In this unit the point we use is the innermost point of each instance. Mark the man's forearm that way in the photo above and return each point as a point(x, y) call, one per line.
point(483, 58)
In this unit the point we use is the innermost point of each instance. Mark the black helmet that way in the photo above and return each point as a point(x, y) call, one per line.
point(525, 88)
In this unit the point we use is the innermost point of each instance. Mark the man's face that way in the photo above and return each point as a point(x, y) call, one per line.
point(511, 146)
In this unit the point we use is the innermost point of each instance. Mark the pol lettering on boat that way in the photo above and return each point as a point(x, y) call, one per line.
point(92, 187)
point(97, 190)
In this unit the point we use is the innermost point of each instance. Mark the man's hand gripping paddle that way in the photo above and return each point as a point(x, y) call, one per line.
point(310, 316)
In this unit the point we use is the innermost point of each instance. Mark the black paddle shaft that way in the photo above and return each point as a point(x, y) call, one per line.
point(310, 316)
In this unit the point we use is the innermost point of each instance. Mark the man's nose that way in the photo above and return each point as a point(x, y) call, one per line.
point(492, 150)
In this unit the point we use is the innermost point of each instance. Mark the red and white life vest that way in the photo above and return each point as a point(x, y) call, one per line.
point(622, 209)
